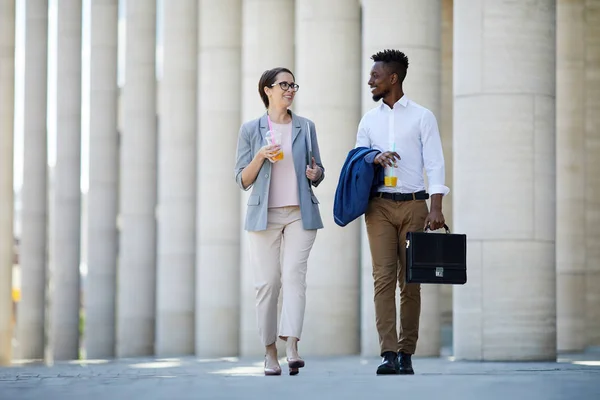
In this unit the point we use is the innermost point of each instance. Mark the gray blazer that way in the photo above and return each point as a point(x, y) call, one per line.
point(251, 138)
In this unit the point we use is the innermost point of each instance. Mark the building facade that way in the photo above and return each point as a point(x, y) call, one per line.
point(124, 115)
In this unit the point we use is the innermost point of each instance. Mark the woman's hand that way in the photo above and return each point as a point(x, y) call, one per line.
point(313, 172)
point(268, 152)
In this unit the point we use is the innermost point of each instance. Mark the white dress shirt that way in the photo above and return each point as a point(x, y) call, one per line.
point(413, 131)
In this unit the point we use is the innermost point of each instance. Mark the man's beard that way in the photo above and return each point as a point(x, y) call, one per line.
point(377, 97)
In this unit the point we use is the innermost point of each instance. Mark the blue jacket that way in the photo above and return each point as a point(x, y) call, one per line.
point(359, 179)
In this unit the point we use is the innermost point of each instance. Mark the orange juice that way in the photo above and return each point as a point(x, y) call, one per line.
point(274, 137)
point(390, 181)
point(279, 156)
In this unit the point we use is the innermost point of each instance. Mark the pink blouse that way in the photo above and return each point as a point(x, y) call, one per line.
point(283, 190)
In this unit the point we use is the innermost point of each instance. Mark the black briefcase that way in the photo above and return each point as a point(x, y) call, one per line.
point(436, 258)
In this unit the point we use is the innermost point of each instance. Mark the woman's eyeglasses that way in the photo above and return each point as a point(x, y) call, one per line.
point(286, 85)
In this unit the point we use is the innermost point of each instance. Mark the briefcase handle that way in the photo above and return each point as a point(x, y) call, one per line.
point(428, 228)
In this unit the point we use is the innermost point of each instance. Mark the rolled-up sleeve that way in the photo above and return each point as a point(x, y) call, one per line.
point(433, 155)
point(243, 156)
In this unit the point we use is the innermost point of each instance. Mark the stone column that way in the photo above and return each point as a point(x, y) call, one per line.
point(504, 178)
point(102, 197)
point(445, 122)
point(254, 36)
point(7, 108)
point(414, 28)
point(570, 175)
point(592, 182)
point(176, 230)
point(65, 197)
point(32, 246)
point(136, 273)
point(328, 40)
point(446, 108)
point(217, 261)
point(369, 338)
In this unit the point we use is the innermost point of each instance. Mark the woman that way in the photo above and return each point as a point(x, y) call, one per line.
point(283, 213)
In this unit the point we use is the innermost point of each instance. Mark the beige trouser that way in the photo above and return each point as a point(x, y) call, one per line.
point(279, 257)
point(387, 223)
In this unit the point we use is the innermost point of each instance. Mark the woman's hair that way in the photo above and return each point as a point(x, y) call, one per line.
point(267, 79)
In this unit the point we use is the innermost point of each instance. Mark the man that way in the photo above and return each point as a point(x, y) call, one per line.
point(407, 136)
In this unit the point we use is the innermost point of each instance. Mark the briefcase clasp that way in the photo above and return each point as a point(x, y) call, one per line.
point(439, 272)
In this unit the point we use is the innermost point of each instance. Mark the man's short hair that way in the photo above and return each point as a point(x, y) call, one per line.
point(395, 60)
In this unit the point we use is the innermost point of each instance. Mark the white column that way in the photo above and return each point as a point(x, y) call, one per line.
point(136, 272)
point(32, 247)
point(504, 178)
point(592, 183)
point(328, 61)
point(369, 338)
point(254, 36)
point(176, 230)
point(7, 107)
point(65, 199)
point(414, 28)
point(446, 104)
point(102, 197)
point(570, 175)
point(218, 197)
point(445, 123)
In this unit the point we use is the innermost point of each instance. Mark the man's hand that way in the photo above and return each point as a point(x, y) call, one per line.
point(313, 172)
point(435, 219)
point(387, 159)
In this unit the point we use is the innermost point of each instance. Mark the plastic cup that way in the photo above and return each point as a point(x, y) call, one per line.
point(390, 181)
point(274, 137)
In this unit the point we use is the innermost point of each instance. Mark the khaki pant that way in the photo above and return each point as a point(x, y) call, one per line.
point(279, 257)
point(387, 223)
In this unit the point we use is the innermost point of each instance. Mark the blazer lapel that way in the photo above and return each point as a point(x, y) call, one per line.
point(296, 127)
point(263, 127)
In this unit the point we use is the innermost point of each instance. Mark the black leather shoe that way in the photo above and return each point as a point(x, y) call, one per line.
point(389, 364)
point(405, 364)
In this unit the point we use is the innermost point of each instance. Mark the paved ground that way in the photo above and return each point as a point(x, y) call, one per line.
point(572, 377)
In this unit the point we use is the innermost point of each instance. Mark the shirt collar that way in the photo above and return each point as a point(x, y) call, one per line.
point(403, 101)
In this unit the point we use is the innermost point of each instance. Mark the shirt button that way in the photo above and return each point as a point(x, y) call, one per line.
point(266, 175)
